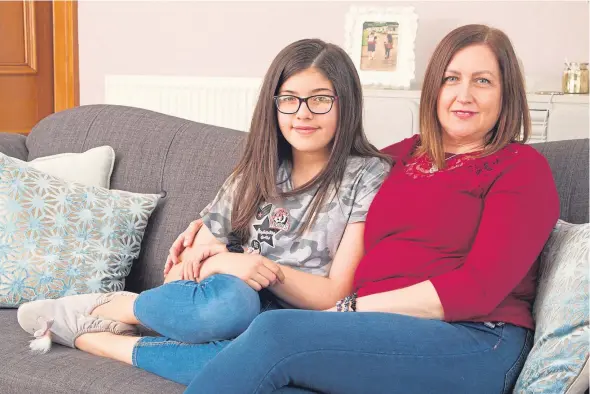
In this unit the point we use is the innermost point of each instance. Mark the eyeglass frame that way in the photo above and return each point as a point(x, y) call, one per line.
point(304, 100)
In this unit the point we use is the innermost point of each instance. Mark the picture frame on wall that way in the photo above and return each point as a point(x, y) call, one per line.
point(380, 42)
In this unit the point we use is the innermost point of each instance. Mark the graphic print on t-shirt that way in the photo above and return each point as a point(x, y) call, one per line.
point(265, 232)
point(262, 212)
point(280, 219)
point(270, 226)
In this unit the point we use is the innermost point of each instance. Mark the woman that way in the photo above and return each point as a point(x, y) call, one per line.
point(307, 167)
point(443, 295)
point(388, 44)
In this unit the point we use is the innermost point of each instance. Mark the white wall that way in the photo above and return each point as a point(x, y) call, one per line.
point(239, 39)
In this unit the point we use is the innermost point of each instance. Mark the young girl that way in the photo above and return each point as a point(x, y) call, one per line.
point(372, 44)
point(296, 204)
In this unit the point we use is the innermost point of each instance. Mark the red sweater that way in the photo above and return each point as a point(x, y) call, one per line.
point(474, 229)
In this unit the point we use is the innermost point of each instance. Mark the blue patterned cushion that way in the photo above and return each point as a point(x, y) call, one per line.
point(59, 238)
point(559, 357)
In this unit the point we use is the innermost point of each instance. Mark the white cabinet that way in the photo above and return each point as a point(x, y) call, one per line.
point(568, 120)
point(392, 115)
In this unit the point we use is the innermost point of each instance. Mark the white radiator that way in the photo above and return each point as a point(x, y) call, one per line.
point(225, 102)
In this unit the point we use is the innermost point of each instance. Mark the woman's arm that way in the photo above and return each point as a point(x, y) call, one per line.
point(308, 291)
point(419, 300)
point(519, 212)
point(203, 237)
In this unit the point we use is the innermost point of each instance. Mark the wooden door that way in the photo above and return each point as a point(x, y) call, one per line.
point(38, 61)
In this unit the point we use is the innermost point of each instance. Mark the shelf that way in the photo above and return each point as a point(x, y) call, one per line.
point(531, 97)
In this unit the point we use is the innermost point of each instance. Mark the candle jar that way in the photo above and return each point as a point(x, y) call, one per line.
point(575, 78)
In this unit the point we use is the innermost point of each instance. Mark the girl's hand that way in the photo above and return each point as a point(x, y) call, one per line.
point(193, 258)
point(257, 271)
point(184, 240)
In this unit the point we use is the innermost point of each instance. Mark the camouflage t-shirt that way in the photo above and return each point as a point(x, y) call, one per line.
point(274, 231)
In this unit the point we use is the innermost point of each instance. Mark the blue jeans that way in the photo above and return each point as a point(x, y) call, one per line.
point(195, 321)
point(354, 353)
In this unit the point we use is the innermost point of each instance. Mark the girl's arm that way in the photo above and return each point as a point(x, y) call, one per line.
point(309, 291)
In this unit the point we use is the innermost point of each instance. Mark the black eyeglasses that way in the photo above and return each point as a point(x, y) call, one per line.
point(319, 104)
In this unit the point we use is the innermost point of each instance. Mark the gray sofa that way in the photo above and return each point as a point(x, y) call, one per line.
point(186, 162)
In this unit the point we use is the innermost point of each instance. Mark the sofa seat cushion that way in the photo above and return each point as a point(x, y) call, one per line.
point(65, 370)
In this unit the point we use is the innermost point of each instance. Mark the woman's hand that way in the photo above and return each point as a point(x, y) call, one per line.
point(257, 271)
point(184, 240)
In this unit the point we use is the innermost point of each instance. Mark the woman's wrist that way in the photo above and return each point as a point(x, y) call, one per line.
point(360, 303)
point(347, 304)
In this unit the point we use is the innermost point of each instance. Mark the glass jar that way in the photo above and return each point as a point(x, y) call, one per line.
point(575, 78)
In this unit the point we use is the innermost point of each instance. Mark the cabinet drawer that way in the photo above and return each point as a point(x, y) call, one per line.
point(539, 125)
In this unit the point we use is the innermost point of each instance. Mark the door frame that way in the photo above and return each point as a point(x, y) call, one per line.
point(66, 80)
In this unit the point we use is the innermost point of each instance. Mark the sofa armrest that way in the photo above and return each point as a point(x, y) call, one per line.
point(13, 145)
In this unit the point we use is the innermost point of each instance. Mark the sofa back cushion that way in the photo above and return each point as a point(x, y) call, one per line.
point(569, 163)
point(187, 162)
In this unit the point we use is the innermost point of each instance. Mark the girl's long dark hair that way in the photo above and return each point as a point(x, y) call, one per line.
point(266, 148)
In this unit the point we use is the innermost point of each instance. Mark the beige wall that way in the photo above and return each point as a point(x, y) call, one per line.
point(239, 39)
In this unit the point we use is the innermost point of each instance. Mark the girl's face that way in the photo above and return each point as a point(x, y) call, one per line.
point(306, 131)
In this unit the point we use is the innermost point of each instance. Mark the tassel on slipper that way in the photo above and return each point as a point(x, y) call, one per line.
point(42, 342)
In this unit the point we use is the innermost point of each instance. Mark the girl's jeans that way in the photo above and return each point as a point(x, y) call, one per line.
point(196, 321)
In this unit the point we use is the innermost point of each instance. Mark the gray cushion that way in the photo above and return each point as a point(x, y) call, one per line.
point(569, 164)
point(155, 153)
point(13, 145)
point(67, 371)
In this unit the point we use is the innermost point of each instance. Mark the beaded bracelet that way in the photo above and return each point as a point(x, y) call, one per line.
point(347, 304)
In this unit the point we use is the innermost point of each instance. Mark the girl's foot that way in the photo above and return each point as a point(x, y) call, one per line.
point(64, 319)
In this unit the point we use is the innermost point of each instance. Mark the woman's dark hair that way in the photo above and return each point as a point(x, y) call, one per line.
point(514, 114)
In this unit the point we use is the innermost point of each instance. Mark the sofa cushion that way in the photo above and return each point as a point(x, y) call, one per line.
point(92, 168)
point(559, 356)
point(67, 371)
point(59, 238)
point(14, 145)
point(568, 160)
